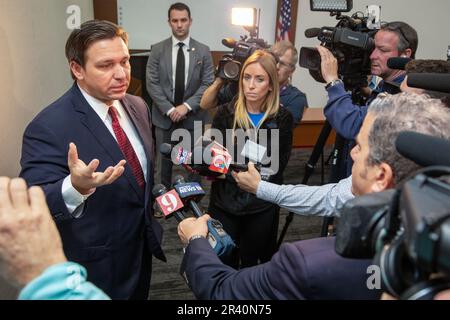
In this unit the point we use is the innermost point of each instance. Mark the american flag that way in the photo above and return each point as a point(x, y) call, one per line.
point(284, 21)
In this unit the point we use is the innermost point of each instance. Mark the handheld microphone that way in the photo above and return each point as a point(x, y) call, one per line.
point(430, 81)
point(312, 32)
point(398, 63)
point(217, 237)
point(169, 203)
point(422, 149)
point(190, 193)
point(214, 161)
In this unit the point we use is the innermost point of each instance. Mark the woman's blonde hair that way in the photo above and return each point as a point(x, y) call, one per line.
point(271, 104)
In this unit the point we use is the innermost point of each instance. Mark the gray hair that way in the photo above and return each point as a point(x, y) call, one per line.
point(279, 48)
point(407, 36)
point(396, 113)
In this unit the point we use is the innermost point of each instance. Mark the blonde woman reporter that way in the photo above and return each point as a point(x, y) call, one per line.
point(256, 112)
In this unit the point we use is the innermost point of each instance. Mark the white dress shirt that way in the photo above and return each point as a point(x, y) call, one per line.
point(186, 50)
point(72, 198)
point(308, 200)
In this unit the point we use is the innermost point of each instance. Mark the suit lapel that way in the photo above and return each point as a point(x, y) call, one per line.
point(168, 59)
point(192, 60)
point(100, 132)
point(142, 125)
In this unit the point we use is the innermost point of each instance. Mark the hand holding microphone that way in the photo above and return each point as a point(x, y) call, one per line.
point(191, 227)
point(248, 180)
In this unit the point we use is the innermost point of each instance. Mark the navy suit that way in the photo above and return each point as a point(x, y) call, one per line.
point(309, 269)
point(116, 233)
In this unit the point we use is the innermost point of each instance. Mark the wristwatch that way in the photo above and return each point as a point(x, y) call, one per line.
point(197, 236)
point(333, 83)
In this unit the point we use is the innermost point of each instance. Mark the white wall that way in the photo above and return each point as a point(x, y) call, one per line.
point(33, 71)
point(146, 21)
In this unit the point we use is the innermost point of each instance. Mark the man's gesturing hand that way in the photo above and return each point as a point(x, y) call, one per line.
point(84, 178)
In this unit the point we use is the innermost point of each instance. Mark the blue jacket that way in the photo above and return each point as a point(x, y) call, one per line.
point(344, 116)
point(309, 269)
point(295, 101)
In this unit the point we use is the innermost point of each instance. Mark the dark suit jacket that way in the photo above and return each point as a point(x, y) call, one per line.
point(309, 269)
point(117, 224)
point(161, 87)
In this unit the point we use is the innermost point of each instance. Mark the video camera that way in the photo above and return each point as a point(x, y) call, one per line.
point(351, 42)
point(407, 230)
point(230, 65)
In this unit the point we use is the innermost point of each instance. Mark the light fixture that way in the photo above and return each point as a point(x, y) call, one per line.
point(243, 17)
point(331, 5)
point(248, 18)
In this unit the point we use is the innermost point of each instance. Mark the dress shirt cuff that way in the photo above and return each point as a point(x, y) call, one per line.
point(72, 198)
point(170, 111)
point(188, 106)
point(267, 191)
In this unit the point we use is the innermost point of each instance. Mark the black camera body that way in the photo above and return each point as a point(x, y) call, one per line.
point(351, 41)
point(406, 231)
point(230, 65)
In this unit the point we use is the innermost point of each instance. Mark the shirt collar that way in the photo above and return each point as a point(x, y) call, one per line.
point(186, 42)
point(100, 107)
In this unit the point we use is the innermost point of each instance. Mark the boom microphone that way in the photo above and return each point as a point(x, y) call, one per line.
point(398, 63)
point(312, 32)
point(229, 43)
point(430, 81)
point(425, 150)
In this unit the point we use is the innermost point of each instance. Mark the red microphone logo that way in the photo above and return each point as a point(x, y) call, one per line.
point(220, 161)
point(169, 202)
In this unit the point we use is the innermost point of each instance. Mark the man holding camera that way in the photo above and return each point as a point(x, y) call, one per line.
point(179, 70)
point(394, 39)
point(311, 269)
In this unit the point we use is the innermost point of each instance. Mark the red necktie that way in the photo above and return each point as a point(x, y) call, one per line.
point(127, 148)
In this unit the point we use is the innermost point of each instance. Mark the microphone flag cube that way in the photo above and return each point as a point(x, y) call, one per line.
point(220, 161)
point(169, 203)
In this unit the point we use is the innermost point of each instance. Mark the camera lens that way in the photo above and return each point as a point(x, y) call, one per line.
point(231, 70)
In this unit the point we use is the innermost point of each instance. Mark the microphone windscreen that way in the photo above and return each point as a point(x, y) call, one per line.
point(430, 81)
point(398, 63)
point(159, 190)
point(165, 149)
point(229, 43)
point(423, 149)
point(312, 32)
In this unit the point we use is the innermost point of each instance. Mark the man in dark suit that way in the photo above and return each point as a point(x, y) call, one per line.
point(312, 269)
point(92, 152)
point(179, 70)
